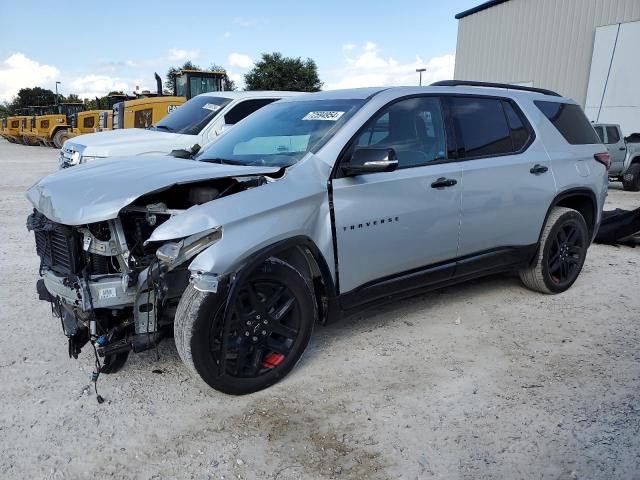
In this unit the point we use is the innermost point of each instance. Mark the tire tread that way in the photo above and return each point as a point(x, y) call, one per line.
point(532, 276)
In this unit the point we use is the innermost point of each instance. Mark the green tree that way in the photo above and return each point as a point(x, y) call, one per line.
point(275, 72)
point(32, 96)
point(72, 98)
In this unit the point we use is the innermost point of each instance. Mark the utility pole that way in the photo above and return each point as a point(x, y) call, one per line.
point(420, 70)
point(57, 83)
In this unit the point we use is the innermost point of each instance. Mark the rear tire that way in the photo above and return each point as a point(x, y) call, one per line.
point(60, 137)
point(561, 252)
point(273, 316)
point(631, 178)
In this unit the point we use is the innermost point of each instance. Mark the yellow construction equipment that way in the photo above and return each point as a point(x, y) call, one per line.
point(91, 121)
point(150, 108)
point(3, 127)
point(53, 130)
point(14, 124)
point(27, 126)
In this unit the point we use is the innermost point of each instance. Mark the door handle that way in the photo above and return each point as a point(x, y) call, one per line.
point(623, 148)
point(537, 169)
point(444, 182)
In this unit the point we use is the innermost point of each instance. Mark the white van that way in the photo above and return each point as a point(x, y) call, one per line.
point(198, 121)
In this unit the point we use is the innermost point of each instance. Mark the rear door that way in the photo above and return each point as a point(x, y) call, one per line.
point(507, 180)
point(392, 223)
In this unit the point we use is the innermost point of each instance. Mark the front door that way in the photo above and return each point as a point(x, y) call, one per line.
point(396, 222)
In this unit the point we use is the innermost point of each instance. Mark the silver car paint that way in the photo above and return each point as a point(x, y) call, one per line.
point(297, 204)
point(98, 191)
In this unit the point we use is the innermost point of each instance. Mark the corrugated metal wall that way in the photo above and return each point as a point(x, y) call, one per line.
point(547, 42)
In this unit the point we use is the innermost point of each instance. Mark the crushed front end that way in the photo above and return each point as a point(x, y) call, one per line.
point(105, 283)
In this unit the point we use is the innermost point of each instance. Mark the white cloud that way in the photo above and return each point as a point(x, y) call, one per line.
point(180, 54)
point(348, 46)
point(17, 71)
point(240, 61)
point(91, 86)
point(367, 68)
point(227, 35)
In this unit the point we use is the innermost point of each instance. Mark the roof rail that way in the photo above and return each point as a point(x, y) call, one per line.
point(469, 83)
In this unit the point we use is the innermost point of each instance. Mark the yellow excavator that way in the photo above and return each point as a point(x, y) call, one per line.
point(150, 108)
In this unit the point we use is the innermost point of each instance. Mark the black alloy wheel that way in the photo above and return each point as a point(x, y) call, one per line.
point(264, 326)
point(272, 316)
point(566, 254)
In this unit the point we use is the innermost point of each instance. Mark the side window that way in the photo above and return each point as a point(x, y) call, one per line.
point(612, 135)
point(520, 134)
point(413, 128)
point(570, 121)
point(246, 108)
point(481, 126)
point(376, 132)
point(600, 132)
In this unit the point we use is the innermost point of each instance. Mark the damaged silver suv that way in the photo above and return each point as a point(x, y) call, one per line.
point(316, 206)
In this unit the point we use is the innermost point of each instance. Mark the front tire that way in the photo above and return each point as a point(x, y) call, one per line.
point(270, 327)
point(60, 137)
point(561, 252)
point(631, 178)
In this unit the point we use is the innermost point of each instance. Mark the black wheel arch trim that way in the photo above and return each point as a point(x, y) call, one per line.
point(574, 192)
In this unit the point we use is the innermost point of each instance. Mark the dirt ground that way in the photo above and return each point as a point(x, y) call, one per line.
point(480, 380)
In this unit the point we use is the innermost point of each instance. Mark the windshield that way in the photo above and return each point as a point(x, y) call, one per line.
point(281, 134)
point(191, 117)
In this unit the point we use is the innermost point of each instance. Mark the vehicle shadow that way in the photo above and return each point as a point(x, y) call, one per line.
point(396, 313)
point(390, 314)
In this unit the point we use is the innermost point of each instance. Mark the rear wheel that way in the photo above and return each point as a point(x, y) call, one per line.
point(561, 252)
point(631, 178)
point(60, 137)
point(272, 317)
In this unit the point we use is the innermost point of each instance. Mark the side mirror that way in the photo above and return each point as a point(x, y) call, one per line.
point(370, 160)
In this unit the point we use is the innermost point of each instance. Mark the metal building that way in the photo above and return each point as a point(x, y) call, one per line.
point(584, 49)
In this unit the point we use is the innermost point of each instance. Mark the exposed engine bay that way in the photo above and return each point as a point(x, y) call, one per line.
point(109, 284)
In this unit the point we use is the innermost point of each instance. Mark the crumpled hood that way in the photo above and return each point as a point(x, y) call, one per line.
point(97, 191)
point(130, 141)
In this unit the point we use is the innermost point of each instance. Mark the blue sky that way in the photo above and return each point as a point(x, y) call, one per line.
point(354, 43)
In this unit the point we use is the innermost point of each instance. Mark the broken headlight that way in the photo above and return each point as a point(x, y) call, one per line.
point(173, 254)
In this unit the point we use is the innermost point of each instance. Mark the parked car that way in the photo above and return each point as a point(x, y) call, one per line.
point(197, 122)
point(314, 207)
point(625, 155)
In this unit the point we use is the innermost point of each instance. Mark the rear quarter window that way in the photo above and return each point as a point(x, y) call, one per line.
point(570, 121)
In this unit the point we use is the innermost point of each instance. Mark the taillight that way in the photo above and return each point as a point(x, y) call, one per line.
point(604, 158)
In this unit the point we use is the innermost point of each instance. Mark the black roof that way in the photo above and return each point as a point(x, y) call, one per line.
point(479, 8)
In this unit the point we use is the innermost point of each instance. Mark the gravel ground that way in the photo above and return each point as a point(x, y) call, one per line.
point(480, 380)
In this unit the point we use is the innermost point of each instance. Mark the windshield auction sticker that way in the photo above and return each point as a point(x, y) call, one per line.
point(211, 106)
point(330, 116)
